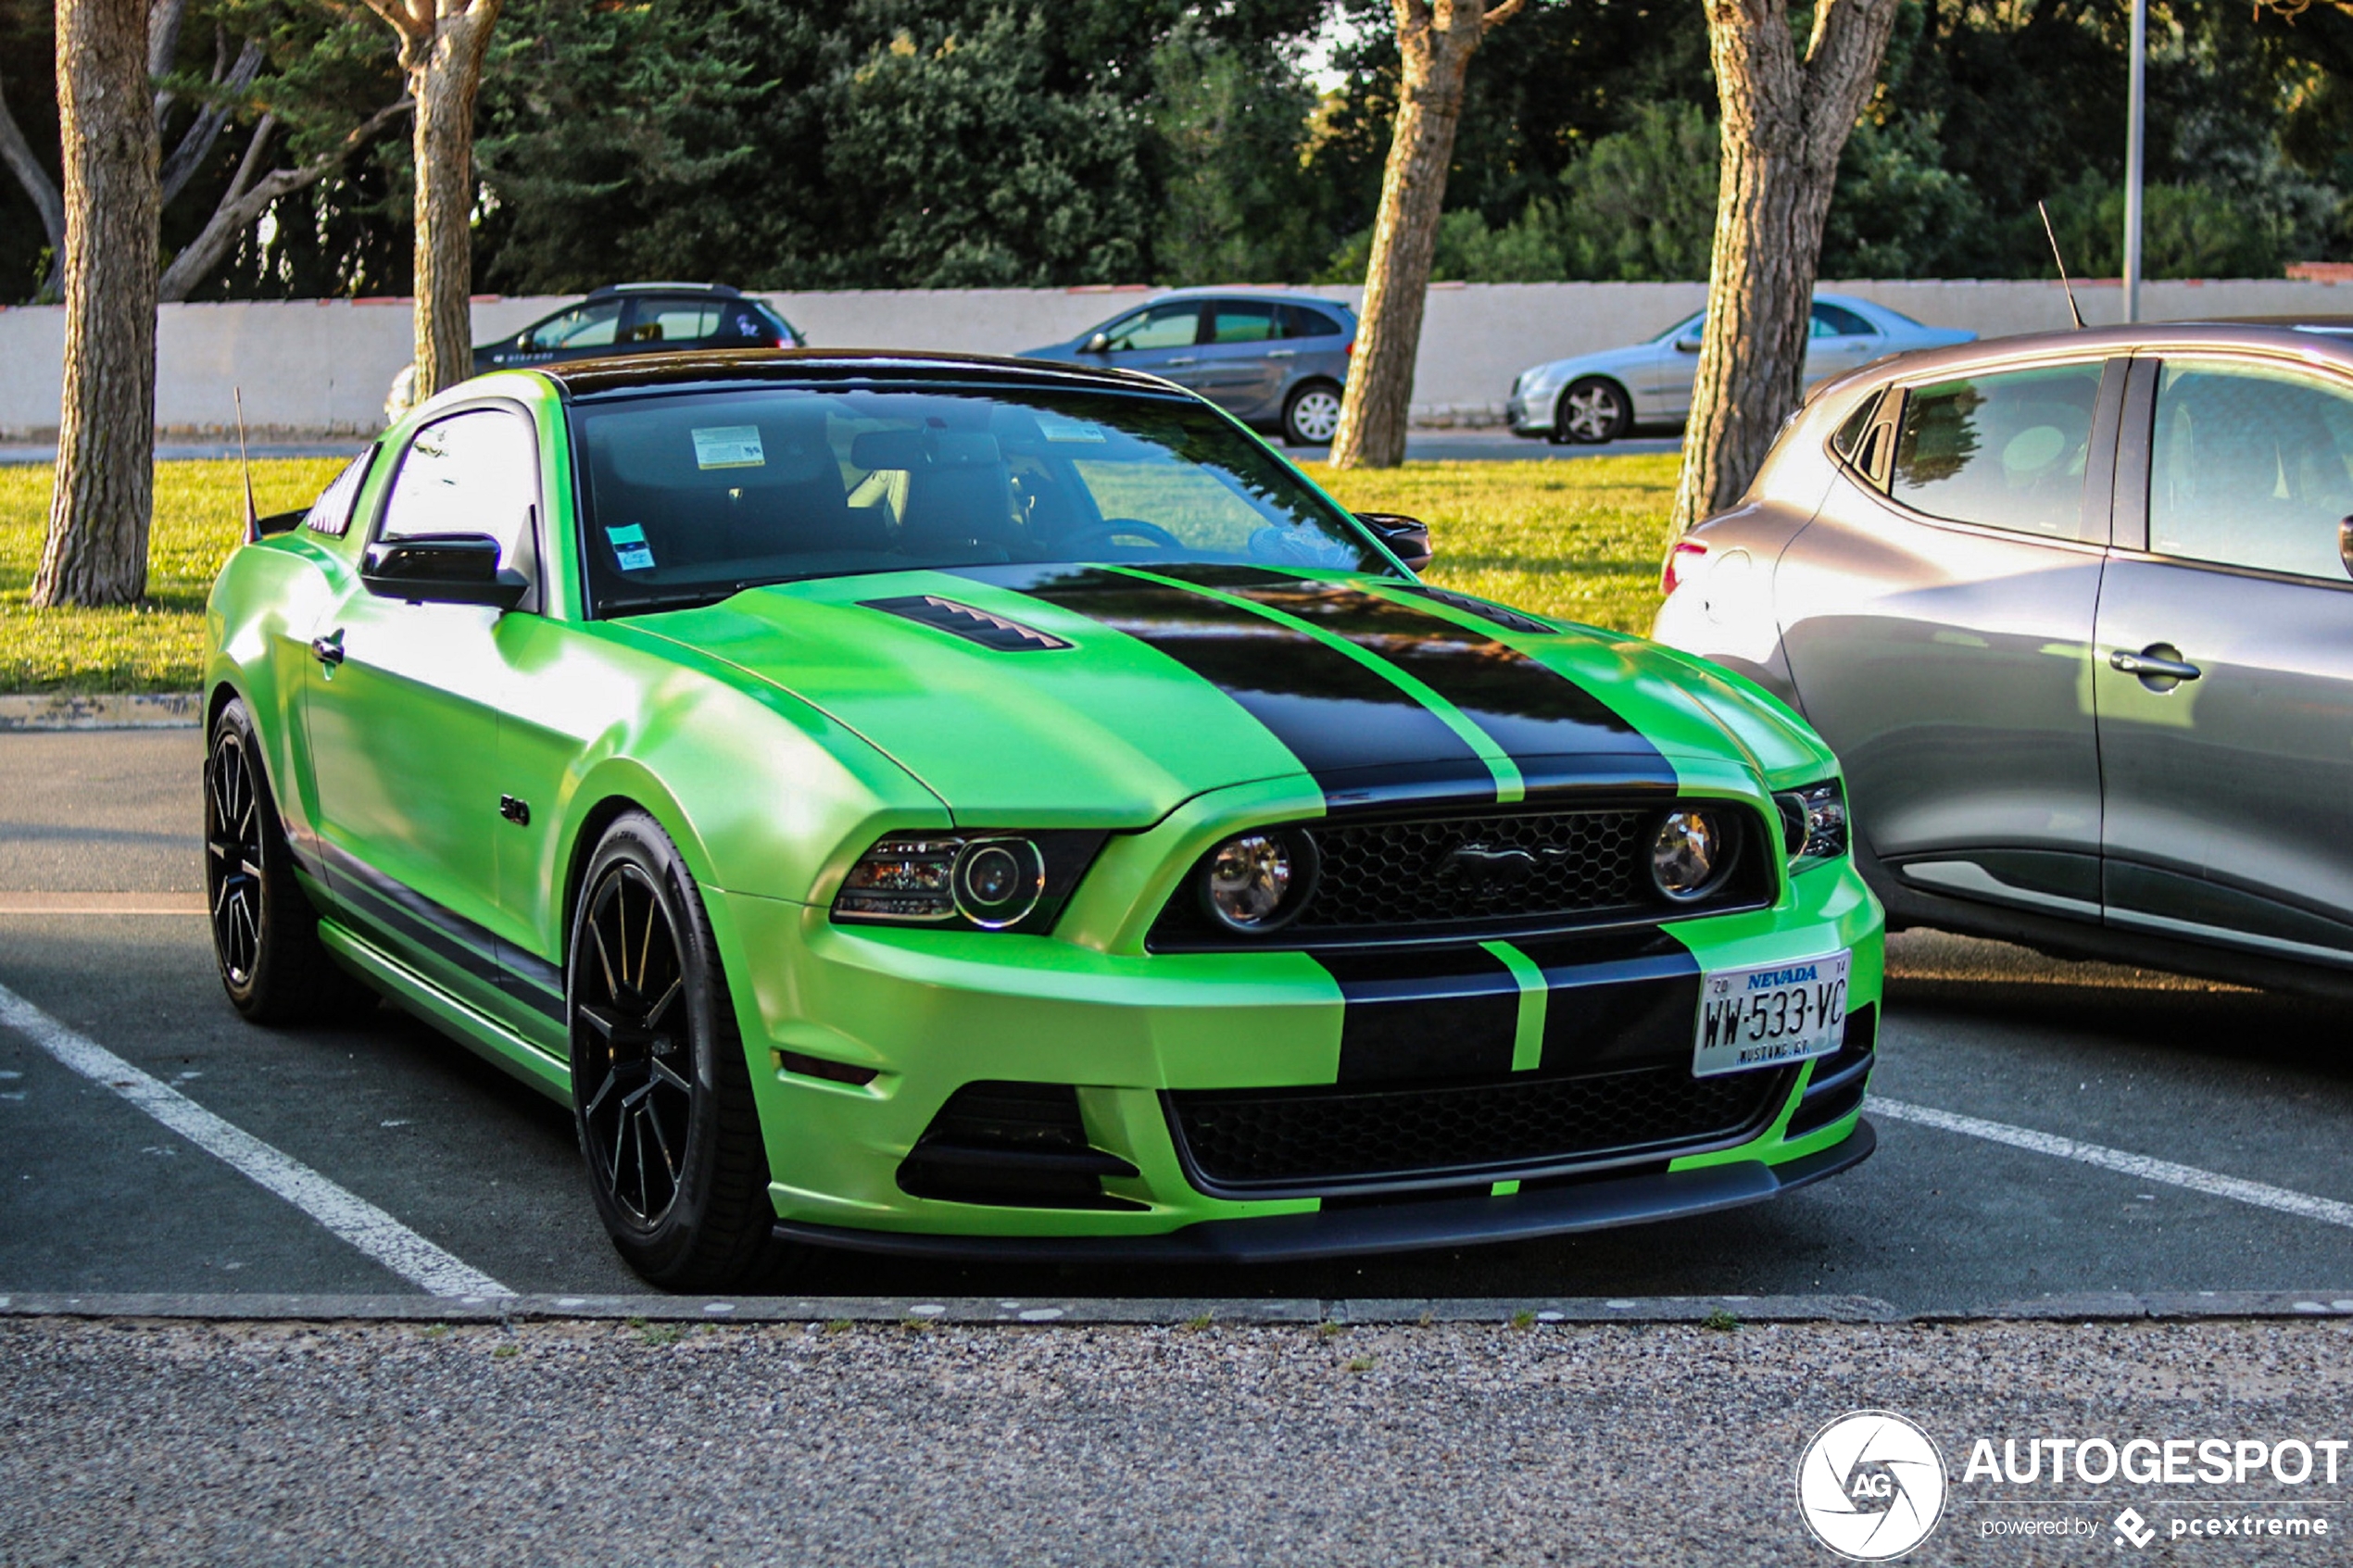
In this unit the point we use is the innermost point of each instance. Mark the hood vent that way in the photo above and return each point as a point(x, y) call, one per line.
point(972, 625)
point(1511, 619)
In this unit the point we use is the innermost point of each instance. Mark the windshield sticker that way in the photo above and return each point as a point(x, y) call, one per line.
point(1062, 427)
point(629, 546)
point(729, 446)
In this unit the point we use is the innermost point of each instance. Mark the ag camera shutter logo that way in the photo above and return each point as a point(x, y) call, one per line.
point(1870, 1485)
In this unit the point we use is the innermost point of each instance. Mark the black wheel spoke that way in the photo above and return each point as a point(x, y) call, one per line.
point(627, 1030)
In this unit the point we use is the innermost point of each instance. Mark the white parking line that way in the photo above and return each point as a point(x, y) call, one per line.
point(2328, 1210)
point(350, 1216)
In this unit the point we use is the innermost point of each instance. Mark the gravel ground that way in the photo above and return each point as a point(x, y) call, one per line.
point(567, 1444)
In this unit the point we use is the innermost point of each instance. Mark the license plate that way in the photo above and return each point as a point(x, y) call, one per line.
point(1771, 1015)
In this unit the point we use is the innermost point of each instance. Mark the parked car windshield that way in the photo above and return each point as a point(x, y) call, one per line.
point(685, 499)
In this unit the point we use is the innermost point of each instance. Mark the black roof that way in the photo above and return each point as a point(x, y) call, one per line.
point(786, 367)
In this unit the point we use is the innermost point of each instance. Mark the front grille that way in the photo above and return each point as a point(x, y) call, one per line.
point(1270, 1142)
point(1493, 873)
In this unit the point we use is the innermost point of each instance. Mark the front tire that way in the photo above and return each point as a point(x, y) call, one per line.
point(1593, 411)
point(1311, 418)
point(265, 933)
point(662, 1090)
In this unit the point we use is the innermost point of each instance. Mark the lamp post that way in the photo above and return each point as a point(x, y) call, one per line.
point(2136, 113)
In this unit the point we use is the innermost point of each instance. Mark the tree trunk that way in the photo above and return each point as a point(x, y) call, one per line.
point(1785, 121)
point(17, 153)
point(1435, 41)
point(96, 552)
point(444, 72)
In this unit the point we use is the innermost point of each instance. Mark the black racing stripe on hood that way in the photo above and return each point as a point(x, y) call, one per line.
point(1349, 726)
point(1529, 709)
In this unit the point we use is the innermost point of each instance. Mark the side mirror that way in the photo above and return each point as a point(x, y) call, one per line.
point(2345, 545)
point(1407, 538)
point(443, 569)
point(1099, 344)
point(1687, 345)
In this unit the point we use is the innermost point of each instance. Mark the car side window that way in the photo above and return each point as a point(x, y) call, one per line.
point(476, 471)
point(2250, 466)
point(1303, 323)
point(593, 325)
point(2006, 450)
point(744, 326)
point(1246, 322)
point(1836, 320)
point(1162, 326)
point(673, 321)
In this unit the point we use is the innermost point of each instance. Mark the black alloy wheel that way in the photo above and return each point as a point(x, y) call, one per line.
point(1593, 411)
point(661, 1089)
point(265, 933)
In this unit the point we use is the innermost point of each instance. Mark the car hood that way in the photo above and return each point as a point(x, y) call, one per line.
point(1555, 370)
point(1089, 695)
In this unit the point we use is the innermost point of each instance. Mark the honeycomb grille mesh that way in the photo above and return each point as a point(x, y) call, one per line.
point(1291, 1138)
point(1473, 868)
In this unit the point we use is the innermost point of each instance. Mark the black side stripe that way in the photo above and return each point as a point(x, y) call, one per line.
point(413, 920)
point(1635, 1010)
point(1348, 725)
point(1530, 709)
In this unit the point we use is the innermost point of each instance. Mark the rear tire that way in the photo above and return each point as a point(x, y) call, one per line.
point(662, 1090)
point(265, 933)
point(1593, 411)
point(1311, 416)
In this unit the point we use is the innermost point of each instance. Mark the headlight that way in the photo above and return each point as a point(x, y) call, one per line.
point(1689, 854)
point(1257, 881)
point(1813, 823)
point(991, 880)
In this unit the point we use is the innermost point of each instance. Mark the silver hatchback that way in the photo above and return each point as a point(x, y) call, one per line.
point(2077, 612)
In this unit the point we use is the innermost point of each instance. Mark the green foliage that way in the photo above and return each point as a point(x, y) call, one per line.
point(1643, 203)
point(2186, 232)
point(1236, 202)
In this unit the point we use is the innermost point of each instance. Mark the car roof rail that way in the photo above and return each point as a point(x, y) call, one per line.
point(722, 289)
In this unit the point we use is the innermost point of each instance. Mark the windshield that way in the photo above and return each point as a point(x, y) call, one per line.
point(1688, 327)
point(687, 498)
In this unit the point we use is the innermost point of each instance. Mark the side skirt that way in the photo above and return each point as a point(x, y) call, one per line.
point(460, 1020)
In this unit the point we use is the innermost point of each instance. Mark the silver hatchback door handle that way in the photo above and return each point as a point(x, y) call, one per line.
point(2158, 662)
point(1185, 360)
point(1282, 354)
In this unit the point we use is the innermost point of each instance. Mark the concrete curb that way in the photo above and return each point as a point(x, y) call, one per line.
point(1110, 1311)
point(106, 710)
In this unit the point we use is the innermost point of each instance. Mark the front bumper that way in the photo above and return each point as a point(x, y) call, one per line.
point(1596, 1204)
point(928, 1014)
point(1530, 416)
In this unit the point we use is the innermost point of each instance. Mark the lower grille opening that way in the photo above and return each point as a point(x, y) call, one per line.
point(1011, 1144)
point(1840, 1078)
point(1323, 1141)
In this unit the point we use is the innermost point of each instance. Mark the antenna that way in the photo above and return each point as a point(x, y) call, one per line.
point(253, 514)
point(2052, 235)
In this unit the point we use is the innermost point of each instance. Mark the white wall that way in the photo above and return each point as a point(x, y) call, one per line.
point(321, 366)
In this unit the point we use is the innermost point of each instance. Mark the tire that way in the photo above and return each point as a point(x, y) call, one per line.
point(675, 1158)
point(1593, 411)
point(265, 933)
point(1311, 415)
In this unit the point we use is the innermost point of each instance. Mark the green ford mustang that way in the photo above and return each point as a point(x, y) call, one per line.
point(970, 808)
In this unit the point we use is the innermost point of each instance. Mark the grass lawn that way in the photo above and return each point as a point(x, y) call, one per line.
point(1579, 540)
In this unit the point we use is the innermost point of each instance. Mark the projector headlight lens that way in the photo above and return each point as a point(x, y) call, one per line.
point(1687, 854)
point(992, 881)
point(1813, 825)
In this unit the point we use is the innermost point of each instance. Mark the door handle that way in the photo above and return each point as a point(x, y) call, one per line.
point(1185, 360)
point(2156, 662)
point(1282, 354)
point(328, 650)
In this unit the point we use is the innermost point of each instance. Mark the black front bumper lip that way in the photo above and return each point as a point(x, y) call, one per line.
point(1405, 1227)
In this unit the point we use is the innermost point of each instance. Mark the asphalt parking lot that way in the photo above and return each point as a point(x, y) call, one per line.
point(2046, 1129)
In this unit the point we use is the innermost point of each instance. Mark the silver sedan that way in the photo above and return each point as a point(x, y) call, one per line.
point(2076, 609)
point(1597, 397)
